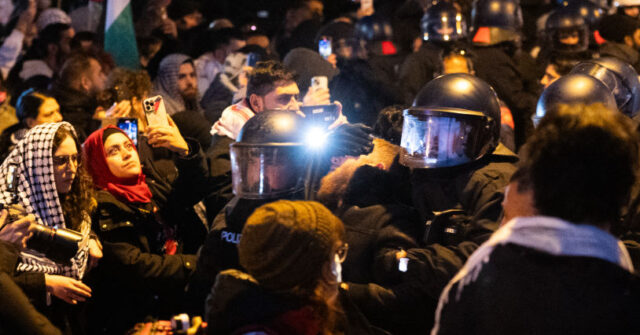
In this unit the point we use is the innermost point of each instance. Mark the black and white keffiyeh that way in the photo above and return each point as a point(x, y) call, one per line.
point(36, 193)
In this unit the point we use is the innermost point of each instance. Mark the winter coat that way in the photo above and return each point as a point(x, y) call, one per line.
point(497, 68)
point(418, 69)
point(238, 304)
point(541, 275)
point(139, 276)
point(220, 249)
point(17, 314)
point(405, 302)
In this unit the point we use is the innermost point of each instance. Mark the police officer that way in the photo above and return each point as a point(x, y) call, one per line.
point(443, 28)
point(574, 88)
point(452, 171)
point(496, 28)
point(619, 77)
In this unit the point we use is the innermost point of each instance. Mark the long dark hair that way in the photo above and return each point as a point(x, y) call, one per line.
point(80, 201)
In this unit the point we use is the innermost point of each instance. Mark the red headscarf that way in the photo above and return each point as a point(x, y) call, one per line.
point(130, 190)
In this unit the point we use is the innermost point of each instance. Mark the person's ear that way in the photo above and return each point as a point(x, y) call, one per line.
point(256, 102)
point(85, 83)
point(31, 122)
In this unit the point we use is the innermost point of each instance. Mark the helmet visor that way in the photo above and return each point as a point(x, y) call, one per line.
point(620, 91)
point(266, 171)
point(433, 139)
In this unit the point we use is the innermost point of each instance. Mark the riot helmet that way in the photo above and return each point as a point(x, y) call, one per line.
point(496, 21)
point(375, 34)
point(443, 22)
point(567, 31)
point(621, 79)
point(574, 88)
point(373, 28)
point(455, 119)
point(268, 157)
point(590, 12)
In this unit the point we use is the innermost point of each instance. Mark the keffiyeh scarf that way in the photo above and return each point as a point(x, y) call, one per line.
point(37, 194)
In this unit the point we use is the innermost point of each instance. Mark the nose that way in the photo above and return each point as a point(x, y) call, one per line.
point(294, 105)
point(57, 117)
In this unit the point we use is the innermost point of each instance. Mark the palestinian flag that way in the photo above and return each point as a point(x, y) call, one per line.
point(119, 34)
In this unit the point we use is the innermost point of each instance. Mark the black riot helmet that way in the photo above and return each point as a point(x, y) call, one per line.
point(619, 77)
point(373, 28)
point(496, 21)
point(268, 159)
point(567, 31)
point(455, 119)
point(375, 34)
point(573, 88)
point(443, 22)
point(590, 12)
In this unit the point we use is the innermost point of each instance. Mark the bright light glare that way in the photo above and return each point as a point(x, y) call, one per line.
point(316, 138)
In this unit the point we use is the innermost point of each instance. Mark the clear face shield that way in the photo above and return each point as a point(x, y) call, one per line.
point(263, 171)
point(620, 91)
point(442, 138)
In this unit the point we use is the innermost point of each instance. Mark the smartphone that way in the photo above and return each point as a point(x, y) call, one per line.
point(319, 82)
point(130, 127)
point(322, 115)
point(155, 111)
point(324, 48)
point(403, 264)
point(252, 59)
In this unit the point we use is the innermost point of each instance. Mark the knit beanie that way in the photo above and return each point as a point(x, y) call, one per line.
point(284, 244)
point(615, 27)
point(307, 64)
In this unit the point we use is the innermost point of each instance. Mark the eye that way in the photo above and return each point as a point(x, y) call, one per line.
point(112, 151)
point(128, 146)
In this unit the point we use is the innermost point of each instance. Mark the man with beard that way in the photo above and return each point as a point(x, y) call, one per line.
point(177, 84)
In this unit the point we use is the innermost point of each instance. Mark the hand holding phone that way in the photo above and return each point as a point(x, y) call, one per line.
point(155, 111)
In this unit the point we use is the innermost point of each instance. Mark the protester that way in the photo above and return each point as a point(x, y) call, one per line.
point(565, 244)
point(144, 270)
point(177, 84)
point(32, 109)
point(53, 186)
point(297, 287)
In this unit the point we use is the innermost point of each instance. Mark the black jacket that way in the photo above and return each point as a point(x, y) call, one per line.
point(238, 302)
point(17, 314)
point(136, 277)
point(220, 249)
point(220, 189)
point(405, 302)
point(501, 71)
point(419, 68)
point(525, 291)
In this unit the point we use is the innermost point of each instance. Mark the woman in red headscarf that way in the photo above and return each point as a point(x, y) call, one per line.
point(143, 272)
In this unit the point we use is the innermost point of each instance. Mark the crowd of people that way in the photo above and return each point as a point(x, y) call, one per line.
point(323, 167)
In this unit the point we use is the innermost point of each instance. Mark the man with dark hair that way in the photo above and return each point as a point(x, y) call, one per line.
point(220, 43)
point(43, 59)
point(623, 38)
point(557, 269)
point(270, 86)
point(80, 80)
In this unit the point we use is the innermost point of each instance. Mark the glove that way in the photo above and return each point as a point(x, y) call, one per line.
point(350, 140)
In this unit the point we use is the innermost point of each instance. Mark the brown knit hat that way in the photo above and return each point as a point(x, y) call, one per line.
point(285, 243)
